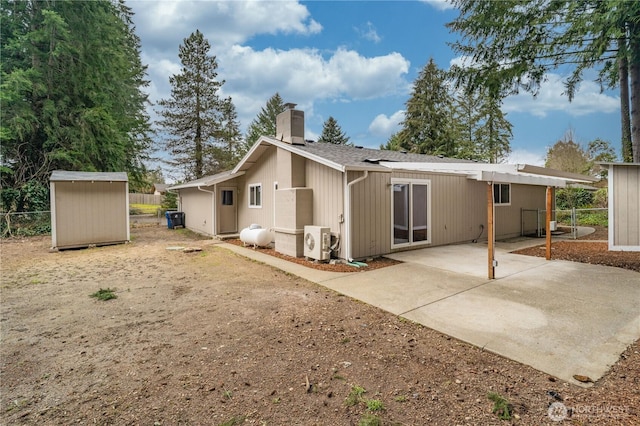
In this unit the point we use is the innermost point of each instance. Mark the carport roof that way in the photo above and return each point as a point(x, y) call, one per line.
point(504, 173)
point(67, 176)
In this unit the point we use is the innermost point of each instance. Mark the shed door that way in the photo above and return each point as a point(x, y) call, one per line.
point(90, 213)
point(228, 210)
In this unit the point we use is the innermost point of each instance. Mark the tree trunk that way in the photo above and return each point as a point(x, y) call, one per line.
point(623, 73)
point(634, 74)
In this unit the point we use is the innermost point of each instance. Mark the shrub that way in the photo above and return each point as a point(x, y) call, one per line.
point(567, 198)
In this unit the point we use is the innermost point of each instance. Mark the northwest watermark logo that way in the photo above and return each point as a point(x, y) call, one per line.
point(558, 411)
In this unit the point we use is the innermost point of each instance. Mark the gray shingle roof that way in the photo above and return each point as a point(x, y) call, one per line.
point(64, 175)
point(350, 156)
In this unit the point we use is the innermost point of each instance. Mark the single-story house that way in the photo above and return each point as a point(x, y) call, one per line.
point(89, 208)
point(624, 206)
point(373, 201)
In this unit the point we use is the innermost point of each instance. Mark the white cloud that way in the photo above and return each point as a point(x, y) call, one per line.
point(523, 156)
point(369, 32)
point(440, 4)
point(551, 98)
point(305, 75)
point(223, 23)
point(383, 126)
point(588, 100)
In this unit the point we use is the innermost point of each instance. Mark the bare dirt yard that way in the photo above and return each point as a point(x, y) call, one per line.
point(211, 338)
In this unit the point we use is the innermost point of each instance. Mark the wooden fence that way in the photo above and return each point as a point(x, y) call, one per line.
point(145, 199)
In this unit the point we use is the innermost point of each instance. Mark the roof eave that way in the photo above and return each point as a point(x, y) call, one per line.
point(245, 163)
point(203, 183)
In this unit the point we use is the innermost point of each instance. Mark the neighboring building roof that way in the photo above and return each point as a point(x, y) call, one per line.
point(618, 164)
point(207, 180)
point(66, 176)
point(160, 187)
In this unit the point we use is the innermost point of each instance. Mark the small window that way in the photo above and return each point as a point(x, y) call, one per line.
point(502, 194)
point(227, 197)
point(255, 195)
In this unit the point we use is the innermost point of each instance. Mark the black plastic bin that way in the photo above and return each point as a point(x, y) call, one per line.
point(174, 219)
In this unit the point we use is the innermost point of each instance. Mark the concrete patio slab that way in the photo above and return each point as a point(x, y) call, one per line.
point(562, 318)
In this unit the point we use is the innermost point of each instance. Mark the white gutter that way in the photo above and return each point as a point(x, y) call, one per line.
point(347, 211)
point(213, 209)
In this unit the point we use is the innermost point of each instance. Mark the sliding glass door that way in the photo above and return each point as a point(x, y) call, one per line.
point(410, 210)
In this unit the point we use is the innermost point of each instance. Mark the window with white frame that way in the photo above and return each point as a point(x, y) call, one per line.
point(255, 195)
point(502, 194)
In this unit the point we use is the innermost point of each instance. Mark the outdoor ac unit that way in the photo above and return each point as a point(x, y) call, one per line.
point(317, 242)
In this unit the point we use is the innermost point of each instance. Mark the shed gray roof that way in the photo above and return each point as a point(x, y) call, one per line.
point(64, 175)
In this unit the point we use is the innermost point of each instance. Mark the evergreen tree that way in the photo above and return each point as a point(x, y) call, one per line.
point(514, 44)
point(494, 133)
point(393, 144)
point(192, 116)
point(428, 127)
point(228, 150)
point(265, 122)
point(468, 122)
point(332, 133)
point(71, 95)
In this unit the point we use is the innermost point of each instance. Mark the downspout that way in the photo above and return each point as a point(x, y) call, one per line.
point(214, 225)
point(347, 211)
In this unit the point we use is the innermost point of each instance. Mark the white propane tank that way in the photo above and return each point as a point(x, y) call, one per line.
point(256, 236)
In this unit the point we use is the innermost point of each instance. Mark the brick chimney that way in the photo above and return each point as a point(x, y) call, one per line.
point(290, 125)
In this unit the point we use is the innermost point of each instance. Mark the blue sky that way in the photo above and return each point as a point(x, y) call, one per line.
point(353, 60)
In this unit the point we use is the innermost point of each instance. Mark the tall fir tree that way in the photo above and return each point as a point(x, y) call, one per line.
point(228, 150)
point(428, 126)
point(484, 133)
point(495, 132)
point(265, 122)
point(468, 121)
point(71, 95)
point(332, 133)
point(192, 116)
point(513, 48)
point(393, 143)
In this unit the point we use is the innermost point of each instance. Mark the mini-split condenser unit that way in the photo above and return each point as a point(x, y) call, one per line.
point(317, 242)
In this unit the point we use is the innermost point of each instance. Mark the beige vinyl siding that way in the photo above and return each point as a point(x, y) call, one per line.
point(88, 213)
point(508, 218)
point(458, 207)
point(328, 198)
point(458, 210)
point(626, 208)
point(370, 214)
point(263, 172)
point(197, 206)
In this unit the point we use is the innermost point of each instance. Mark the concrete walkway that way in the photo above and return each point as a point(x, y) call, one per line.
point(562, 318)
